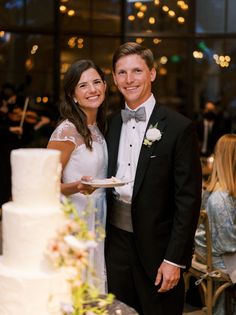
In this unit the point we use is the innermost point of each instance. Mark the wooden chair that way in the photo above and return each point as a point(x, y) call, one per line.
point(204, 272)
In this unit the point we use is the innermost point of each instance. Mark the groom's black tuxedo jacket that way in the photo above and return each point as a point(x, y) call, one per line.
point(167, 189)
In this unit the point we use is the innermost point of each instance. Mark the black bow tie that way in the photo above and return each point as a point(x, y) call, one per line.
point(138, 115)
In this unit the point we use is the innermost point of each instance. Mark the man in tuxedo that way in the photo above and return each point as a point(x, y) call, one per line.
point(210, 128)
point(152, 220)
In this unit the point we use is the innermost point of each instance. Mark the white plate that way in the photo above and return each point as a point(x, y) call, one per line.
point(106, 183)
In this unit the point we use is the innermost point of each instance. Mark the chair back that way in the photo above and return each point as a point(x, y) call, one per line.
point(203, 270)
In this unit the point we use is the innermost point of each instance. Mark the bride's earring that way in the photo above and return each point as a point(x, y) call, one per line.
point(75, 100)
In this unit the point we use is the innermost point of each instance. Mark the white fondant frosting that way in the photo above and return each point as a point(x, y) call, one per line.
point(26, 235)
point(35, 177)
point(24, 293)
point(28, 284)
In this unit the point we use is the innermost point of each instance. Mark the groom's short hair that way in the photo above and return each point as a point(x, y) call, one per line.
point(132, 48)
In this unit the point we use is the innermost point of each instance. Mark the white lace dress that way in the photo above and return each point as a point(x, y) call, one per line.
point(84, 162)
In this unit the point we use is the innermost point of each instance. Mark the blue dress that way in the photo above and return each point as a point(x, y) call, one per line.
point(221, 210)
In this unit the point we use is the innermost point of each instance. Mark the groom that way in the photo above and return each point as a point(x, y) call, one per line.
point(152, 220)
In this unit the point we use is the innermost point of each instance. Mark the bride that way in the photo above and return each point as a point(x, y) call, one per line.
point(79, 137)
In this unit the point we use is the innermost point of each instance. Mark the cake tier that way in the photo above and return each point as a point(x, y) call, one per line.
point(36, 177)
point(26, 235)
point(32, 294)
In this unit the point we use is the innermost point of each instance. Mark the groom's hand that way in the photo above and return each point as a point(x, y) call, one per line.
point(167, 276)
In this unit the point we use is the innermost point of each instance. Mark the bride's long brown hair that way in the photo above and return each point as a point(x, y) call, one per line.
point(71, 111)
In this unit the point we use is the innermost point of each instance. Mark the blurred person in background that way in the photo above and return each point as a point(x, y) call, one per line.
point(10, 134)
point(219, 201)
point(210, 127)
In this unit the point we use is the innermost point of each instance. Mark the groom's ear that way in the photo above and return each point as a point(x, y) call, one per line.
point(153, 74)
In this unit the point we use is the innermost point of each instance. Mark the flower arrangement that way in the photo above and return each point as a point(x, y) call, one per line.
point(153, 134)
point(69, 250)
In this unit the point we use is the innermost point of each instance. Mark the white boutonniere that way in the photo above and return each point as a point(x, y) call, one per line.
point(153, 134)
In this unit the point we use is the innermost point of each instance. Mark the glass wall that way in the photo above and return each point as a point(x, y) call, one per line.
point(26, 60)
point(151, 17)
point(194, 44)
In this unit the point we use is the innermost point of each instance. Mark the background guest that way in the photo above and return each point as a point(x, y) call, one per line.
point(9, 138)
point(219, 200)
point(210, 127)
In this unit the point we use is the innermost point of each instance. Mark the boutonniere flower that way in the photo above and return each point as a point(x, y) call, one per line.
point(153, 134)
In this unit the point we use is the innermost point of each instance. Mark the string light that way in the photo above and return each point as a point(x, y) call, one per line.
point(74, 41)
point(184, 7)
point(139, 40)
point(143, 8)
point(165, 8)
point(197, 54)
point(71, 12)
point(80, 40)
point(163, 60)
point(138, 5)
point(162, 71)
point(34, 49)
point(45, 99)
point(151, 20)
point(171, 13)
point(156, 41)
point(140, 14)
point(181, 19)
point(131, 17)
point(221, 60)
point(63, 8)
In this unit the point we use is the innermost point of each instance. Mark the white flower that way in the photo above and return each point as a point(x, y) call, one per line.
point(153, 134)
point(76, 244)
point(67, 308)
point(70, 272)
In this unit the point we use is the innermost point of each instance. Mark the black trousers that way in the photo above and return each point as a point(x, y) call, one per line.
point(129, 282)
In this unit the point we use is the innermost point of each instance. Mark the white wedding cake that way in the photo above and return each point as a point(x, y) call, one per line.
point(27, 280)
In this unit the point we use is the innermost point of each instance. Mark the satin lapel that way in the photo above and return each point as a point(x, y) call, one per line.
point(145, 153)
point(113, 145)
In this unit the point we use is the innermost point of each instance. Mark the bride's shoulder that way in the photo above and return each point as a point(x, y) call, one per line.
point(66, 131)
point(66, 124)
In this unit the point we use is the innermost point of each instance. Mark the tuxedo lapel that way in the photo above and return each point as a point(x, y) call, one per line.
point(146, 151)
point(113, 145)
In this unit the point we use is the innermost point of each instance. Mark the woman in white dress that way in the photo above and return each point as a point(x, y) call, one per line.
point(79, 137)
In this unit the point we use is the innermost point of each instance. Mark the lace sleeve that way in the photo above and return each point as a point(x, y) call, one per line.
point(66, 131)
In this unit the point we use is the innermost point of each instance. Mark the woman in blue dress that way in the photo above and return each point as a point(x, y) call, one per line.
point(219, 200)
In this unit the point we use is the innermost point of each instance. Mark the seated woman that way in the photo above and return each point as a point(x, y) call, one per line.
point(219, 200)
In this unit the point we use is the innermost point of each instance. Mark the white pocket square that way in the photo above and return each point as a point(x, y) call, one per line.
point(152, 156)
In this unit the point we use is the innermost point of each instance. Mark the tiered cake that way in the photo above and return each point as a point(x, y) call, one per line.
point(27, 281)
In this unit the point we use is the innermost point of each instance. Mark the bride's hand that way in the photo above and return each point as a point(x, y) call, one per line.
point(84, 188)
